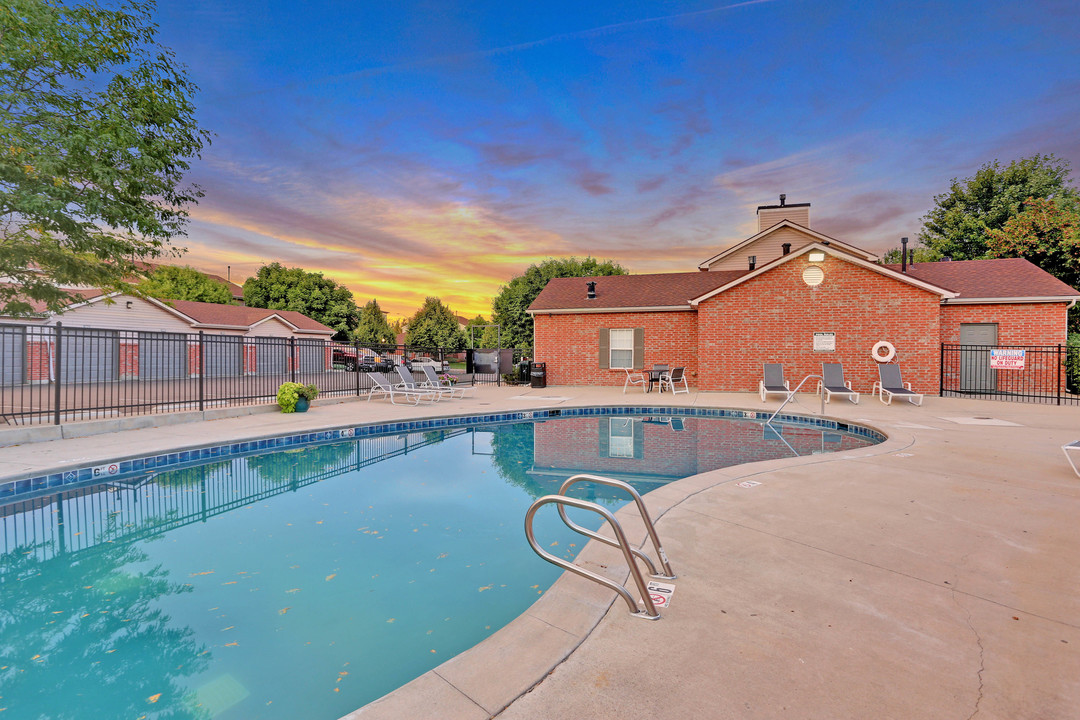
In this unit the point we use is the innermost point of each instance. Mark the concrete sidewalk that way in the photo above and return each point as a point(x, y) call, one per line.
point(933, 576)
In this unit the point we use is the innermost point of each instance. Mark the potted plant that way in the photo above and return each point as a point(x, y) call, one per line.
point(294, 397)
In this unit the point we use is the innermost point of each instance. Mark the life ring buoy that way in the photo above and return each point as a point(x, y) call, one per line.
point(890, 351)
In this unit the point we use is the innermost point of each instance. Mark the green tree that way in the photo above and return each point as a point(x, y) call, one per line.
point(277, 287)
point(170, 282)
point(1044, 233)
point(474, 337)
point(1049, 236)
point(435, 326)
point(922, 254)
point(373, 327)
point(508, 309)
point(957, 225)
point(97, 125)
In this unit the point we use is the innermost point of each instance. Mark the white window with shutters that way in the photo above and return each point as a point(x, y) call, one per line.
point(622, 349)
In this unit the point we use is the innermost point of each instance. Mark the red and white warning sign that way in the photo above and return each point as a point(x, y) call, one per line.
point(660, 593)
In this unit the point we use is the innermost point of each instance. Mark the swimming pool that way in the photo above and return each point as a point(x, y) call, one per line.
point(312, 580)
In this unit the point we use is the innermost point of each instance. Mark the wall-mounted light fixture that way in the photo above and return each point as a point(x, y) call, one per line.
point(129, 304)
point(816, 256)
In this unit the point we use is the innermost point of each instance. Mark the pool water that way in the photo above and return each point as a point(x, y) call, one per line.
point(306, 583)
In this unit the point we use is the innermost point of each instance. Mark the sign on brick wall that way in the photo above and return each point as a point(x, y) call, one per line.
point(824, 342)
point(1001, 359)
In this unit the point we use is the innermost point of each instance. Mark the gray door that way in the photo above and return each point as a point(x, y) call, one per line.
point(12, 355)
point(311, 356)
point(89, 355)
point(163, 356)
point(975, 372)
point(223, 355)
point(271, 355)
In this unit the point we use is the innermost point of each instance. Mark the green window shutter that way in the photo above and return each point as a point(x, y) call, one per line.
point(605, 348)
point(639, 348)
point(639, 439)
point(604, 430)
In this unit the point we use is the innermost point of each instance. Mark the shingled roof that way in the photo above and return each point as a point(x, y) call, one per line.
point(991, 279)
point(625, 292)
point(242, 316)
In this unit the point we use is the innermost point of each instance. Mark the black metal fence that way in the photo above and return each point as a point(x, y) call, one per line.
point(1020, 373)
point(56, 374)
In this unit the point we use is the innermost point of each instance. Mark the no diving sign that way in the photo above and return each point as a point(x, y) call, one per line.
point(660, 593)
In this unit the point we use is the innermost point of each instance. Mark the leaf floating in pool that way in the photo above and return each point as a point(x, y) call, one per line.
point(284, 610)
point(432, 649)
point(554, 544)
point(331, 576)
point(485, 587)
point(232, 644)
point(535, 586)
point(440, 556)
point(343, 673)
point(573, 544)
point(207, 572)
point(231, 582)
point(154, 698)
point(390, 620)
point(293, 590)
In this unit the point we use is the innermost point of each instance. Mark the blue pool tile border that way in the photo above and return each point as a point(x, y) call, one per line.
point(131, 467)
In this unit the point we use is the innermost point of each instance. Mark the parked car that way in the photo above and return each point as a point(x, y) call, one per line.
point(365, 361)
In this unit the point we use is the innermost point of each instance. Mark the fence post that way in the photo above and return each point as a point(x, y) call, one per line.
point(1059, 369)
point(56, 374)
point(941, 372)
point(292, 358)
point(202, 373)
point(356, 365)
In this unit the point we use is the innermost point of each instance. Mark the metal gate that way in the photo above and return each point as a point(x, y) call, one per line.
point(89, 355)
point(1022, 373)
point(12, 355)
point(223, 354)
point(163, 356)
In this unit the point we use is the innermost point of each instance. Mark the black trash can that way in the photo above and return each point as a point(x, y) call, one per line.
point(539, 375)
point(523, 372)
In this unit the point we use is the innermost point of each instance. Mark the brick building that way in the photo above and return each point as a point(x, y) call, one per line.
point(792, 295)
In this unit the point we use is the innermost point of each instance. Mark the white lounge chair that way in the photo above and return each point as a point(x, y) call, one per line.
point(408, 382)
point(432, 381)
point(636, 378)
point(671, 380)
point(890, 385)
point(834, 384)
point(773, 383)
point(383, 386)
point(1071, 449)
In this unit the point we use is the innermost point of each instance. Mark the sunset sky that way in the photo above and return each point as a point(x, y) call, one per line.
point(408, 149)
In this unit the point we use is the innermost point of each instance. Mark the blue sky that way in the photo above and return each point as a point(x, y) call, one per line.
point(409, 149)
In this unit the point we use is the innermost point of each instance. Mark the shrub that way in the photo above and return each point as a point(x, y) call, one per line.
point(289, 392)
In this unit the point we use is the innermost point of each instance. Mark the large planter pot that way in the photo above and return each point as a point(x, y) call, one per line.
point(302, 404)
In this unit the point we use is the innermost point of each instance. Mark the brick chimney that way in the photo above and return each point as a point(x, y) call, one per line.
point(769, 215)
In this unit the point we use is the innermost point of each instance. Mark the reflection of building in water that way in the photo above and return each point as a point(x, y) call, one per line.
point(666, 448)
point(126, 510)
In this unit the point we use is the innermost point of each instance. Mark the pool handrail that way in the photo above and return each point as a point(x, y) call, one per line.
point(791, 394)
point(650, 612)
point(668, 573)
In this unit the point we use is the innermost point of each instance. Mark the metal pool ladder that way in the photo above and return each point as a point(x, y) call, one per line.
point(629, 554)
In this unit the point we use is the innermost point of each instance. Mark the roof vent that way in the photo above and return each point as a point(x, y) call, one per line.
point(783, 199)
point(903, 254)
point(592, 290)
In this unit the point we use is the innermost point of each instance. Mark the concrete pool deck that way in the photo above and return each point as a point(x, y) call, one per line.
point(934, 575)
